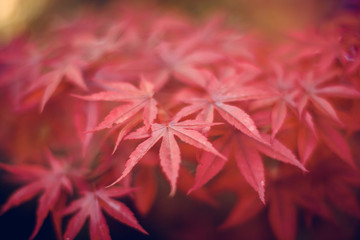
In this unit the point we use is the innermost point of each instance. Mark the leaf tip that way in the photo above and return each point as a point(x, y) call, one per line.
point(115, 182)
point(3, 210)
point(195, 187)
point(172, 191)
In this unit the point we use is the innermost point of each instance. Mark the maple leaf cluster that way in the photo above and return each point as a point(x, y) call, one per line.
point(92, 107)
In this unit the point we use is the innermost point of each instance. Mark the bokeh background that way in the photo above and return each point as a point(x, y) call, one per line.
point(270, 16)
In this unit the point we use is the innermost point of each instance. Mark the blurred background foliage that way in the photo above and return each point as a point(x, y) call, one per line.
point(270, 16)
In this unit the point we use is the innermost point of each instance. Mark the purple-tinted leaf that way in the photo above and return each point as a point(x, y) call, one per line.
point(245, 209)
point(282, 216)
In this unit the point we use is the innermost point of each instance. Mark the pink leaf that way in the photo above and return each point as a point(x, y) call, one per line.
point(324, 106)
point(194, 138)
point(77, 221)
point(119, 211)
point(278, 116)
point(46, 203)
point(203, 57)
point(139, 152)
point(123, 132)
point(336, 142)
point(251, 167)
point(239, 119)
point(339, 91)
point(169, 150)
point(119, 115)
point(74, 75)
point(55, 79)
point(170, 159)
point(99, 230)
point(188, 110)
point(89, 206)
point(190, 75)
point(139, 133)
point(136, 99)
point(306, 142)
point(22, 195)
point(150, 112)
point(123, 87)
point(90, 113)
point(49, 183)
point(210, 164)
point(245, 209)
point(206, 115)
point(282, 216)
point(125, 96)
point(277, 150)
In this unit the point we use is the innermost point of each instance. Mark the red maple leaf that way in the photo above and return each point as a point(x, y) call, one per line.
point(280, 98)
point(324, 188)
point(93, 47)
point(184, 60)
point(136, 99)
point(67, 68)
point(247, 155)
point(90, 205)
point(169, 150)
point(49, 182)
point(219, 93)
point(335, 140)
point(85, 118)
point(316, 89)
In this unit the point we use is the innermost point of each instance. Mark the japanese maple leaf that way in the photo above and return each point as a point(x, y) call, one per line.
point(307, 137)
point(169, 150)
point(48, 182)
point(282, 214)
point(335, 141)
point(183, 61)
point(145, 180)
point(325, 186)
point(94, 47)
point(180, 57)
point(324, 46)
point(316, 90)
point(304, 128)
point(219, 93)
point(249, 161)
point(67, 68)
point(247, 204)
point(135, 99)
point(85, 118)
point(281, 97)
point(245, 209)
point(90, 206)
